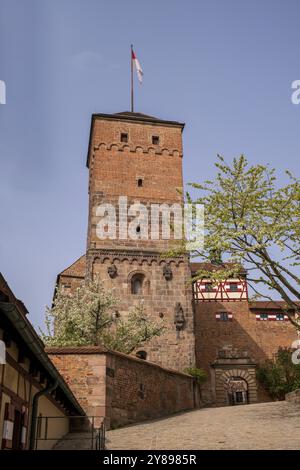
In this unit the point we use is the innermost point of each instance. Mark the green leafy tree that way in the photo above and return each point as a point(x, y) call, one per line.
point(279, 376)
point(88, 317)
point(251, 221)
point(199, 374)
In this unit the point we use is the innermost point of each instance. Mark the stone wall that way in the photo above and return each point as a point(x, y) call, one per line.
point(293, 397)
point(243, 339)
point(173, 349)
point(84, 370)
point(123, 388)
point(139, 390)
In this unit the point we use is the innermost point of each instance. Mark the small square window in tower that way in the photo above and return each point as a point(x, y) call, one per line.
point(155, 140)
point(124, 137)
point(140, 182)
point(224, 316)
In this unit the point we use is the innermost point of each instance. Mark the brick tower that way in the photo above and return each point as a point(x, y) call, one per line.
point(140, 158)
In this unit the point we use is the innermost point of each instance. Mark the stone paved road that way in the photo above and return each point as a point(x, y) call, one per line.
point(259, 426)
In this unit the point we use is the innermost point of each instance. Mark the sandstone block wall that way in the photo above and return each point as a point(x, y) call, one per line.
point(122, 388)
point(173, 349)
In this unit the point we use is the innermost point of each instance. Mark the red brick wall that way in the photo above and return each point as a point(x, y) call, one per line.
point(259, 340)
point(115, 168)
point(86, 376)
point(123, 388)
point(140, 390)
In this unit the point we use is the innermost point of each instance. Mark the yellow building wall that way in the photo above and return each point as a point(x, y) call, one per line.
point(56, 427)
point(5, 399)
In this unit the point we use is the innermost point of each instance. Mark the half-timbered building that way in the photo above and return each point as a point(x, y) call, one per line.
point(31, 389)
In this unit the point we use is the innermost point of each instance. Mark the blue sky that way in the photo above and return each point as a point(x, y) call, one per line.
point(224, 67)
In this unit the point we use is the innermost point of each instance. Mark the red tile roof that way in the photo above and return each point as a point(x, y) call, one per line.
point(213, 267)
point(268, 305)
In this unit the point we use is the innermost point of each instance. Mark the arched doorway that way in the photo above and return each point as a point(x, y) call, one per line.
point(237, 391)
point(236, 384)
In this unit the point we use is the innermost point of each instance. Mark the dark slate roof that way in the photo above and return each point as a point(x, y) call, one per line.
point(136, 115)
point(127, 115)
point(269, 305)
point(5, 291)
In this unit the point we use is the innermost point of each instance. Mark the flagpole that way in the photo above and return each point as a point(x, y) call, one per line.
point(131, 50)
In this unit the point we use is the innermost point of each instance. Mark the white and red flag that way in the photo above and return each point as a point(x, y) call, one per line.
point(138, 68)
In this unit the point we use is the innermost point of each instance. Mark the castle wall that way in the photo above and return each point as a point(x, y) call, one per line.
point(140, 390)
point(173, 349)
point(123, 388)
point(225, 345)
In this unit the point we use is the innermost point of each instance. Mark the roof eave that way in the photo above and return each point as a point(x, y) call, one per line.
point(36, 346)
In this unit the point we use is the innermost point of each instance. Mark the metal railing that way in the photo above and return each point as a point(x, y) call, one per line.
point(70, 432)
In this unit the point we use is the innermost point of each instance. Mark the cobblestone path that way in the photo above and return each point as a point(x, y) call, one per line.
point(259, 426)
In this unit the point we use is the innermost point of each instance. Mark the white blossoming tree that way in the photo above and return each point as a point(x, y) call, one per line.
point(88, 317)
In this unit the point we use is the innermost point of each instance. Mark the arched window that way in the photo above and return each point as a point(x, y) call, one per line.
point(141, 355)
point(137, 284)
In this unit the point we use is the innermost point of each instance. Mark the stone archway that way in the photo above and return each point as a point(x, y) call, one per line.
point(237, 391)
point(235, 385)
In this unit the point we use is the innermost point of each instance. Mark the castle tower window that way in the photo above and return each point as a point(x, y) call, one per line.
point(141, 355)
point(140, 182)
point(155, 140)
point(224, 316)
point(137, 284)
point(124, 137)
